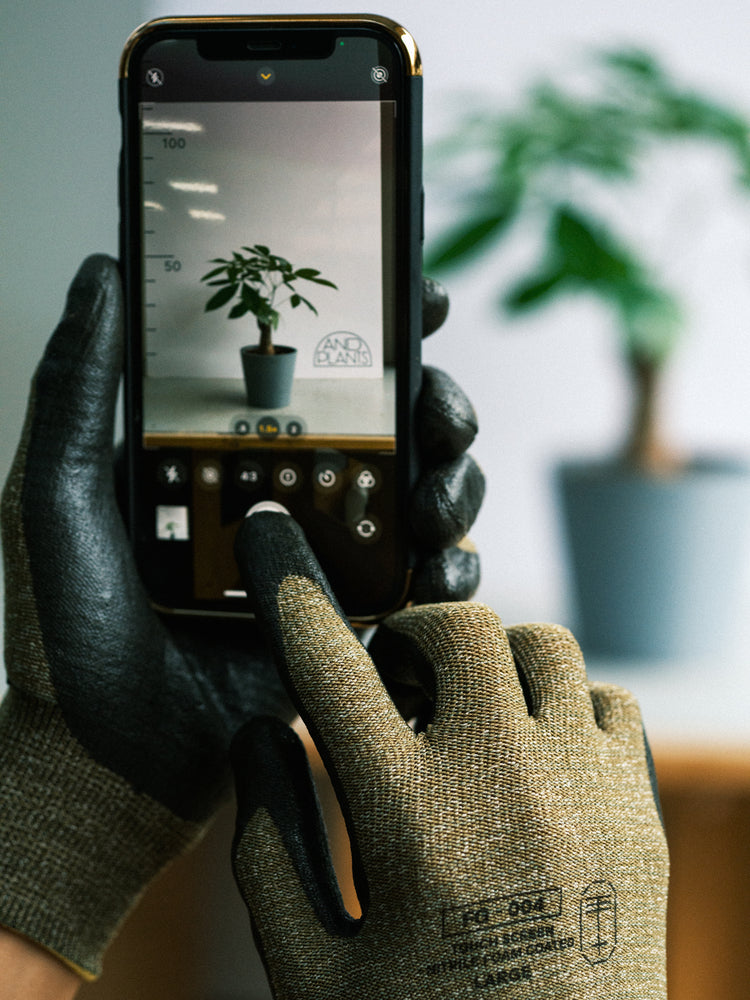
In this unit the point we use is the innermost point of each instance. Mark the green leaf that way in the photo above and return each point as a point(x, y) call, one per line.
point(324, 281)
point(468, 239)
point(588, 250)
point(533, 292)
point(309, 304)
point(212, 274)
point(252, 274)
point(633, 62)
point(241, 309)
point(220, 299)
point(252, 298)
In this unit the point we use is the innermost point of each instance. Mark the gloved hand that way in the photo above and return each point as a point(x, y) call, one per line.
point(510, 850)
point(115, 728)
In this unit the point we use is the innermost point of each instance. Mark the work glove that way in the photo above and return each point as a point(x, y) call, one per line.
point(115, 729)
point(511, 849)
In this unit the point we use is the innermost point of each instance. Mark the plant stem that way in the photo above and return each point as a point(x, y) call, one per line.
point(645, 449)
point(265, 345)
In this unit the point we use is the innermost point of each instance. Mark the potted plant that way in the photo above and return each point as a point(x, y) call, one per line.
point(252, 279)
point(639, 522)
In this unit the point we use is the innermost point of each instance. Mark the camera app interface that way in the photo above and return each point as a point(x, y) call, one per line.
point(268, 368)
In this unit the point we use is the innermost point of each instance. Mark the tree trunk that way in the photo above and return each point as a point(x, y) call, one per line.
point(645, 449)
point(265, 346)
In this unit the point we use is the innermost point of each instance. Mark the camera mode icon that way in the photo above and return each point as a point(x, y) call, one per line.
point(172, 472)
point(288, 477)
point(367, 529)
point(248, 475)
point(208, 475)
point(326, 477)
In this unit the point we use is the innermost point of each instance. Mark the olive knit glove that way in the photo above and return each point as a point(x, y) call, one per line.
point(511, 849)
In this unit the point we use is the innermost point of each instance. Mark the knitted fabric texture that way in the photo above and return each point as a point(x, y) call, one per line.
point(78, 843)
point(503, 852)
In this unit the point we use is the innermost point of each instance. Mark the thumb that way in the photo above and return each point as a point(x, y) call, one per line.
point(77, 379)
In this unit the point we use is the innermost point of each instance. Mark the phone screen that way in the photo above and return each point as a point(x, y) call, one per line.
point(270, 177)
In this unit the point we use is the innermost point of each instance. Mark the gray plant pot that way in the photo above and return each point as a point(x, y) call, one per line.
point(268, 377)
point(657, 565)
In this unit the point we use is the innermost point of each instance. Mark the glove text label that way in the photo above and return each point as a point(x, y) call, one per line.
point(502, 911)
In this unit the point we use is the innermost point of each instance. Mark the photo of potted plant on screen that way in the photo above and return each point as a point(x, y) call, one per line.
point(290, 283)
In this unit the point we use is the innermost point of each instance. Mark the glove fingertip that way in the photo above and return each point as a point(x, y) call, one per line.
point(435, 306)
point(94, 301)
point(446, 502)
point(446, 419)
point(452, 574)
point(269, 548)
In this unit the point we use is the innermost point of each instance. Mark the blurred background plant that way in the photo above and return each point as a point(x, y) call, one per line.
point(543, 164)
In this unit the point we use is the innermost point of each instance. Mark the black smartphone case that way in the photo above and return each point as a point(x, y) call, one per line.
point(366, 591)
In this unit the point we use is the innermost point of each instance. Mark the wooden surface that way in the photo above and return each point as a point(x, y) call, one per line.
point(705, 795)
point(167, 949)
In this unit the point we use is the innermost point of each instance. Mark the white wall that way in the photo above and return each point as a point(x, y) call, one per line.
point(59, 141)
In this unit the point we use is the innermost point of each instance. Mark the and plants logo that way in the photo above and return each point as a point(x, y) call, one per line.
point(342, 350)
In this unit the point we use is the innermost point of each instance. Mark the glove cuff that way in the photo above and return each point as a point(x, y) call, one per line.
point(78, 844)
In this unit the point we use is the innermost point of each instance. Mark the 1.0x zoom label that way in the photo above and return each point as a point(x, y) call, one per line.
point(502, 911)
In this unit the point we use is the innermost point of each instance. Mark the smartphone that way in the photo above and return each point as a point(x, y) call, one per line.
point(271, 231)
